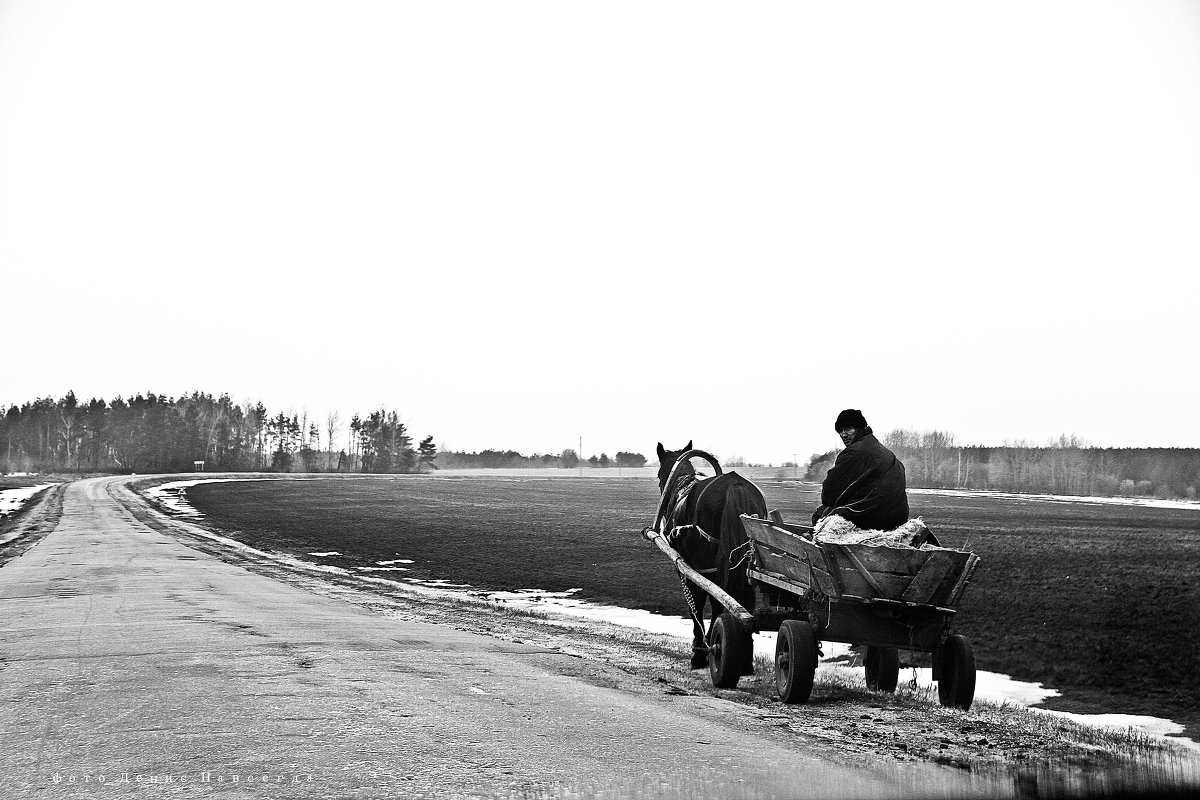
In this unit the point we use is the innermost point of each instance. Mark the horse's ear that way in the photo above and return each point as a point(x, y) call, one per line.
point(661, 452)
point(689, 445)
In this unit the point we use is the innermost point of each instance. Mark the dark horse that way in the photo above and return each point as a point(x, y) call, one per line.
point(702, 523)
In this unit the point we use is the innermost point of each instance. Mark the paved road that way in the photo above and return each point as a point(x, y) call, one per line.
point(127, 656)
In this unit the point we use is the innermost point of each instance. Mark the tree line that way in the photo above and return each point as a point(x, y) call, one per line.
point(935, 460)
point(511, 459)
point(157, 433)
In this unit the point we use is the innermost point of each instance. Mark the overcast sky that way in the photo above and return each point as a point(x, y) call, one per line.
point(518, 223)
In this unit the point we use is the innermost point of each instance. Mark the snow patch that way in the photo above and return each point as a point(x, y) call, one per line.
point(1153, 726)
point(173, 495)
point(1148, 502)
point(11, 500)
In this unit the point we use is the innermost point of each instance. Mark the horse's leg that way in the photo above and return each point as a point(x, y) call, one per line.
point(696, 601)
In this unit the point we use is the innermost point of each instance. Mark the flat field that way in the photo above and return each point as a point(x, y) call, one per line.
point(1099, 601)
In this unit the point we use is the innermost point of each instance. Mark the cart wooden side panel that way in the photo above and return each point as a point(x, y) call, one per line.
point(934, 576)
point(784, 551)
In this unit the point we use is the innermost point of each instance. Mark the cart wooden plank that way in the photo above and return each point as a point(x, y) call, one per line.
point(778, 581)
point(926, 582)
point(961, 585)
point(776, 536)
point(902, 560)
point(781, 564)
point(823, 581)
point(804, 531)
point(852, 582)
point(876, 589)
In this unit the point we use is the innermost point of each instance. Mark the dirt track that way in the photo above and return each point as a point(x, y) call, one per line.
point(419, 693)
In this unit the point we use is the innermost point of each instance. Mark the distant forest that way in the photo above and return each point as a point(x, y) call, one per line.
point(156, 433)
point(934, 460)
point(567, 459)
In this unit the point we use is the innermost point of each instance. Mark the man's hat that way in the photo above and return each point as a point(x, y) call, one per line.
point(850, 418)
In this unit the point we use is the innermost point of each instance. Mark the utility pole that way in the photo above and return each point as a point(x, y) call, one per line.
point(795, 466)
point(581, 455)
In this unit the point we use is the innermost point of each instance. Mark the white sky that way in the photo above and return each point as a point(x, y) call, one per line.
point(518, 223)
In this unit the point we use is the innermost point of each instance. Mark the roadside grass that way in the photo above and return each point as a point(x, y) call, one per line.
point(834, 683)
point(1121, 742)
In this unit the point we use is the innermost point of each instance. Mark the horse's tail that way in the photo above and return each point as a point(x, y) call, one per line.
point(743, 498)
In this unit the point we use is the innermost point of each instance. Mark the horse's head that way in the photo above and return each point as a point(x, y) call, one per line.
point(666, 460)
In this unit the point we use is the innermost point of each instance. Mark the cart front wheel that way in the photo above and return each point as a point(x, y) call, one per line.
point(883, 668)
point(795, 660)
point(956, 684)
point(728, 651)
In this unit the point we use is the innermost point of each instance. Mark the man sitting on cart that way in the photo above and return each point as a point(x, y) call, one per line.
point(866, 483)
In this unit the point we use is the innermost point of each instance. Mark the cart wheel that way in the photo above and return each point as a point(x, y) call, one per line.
point(883, 668)
point(956, 685)
point(795, 660)
point(728, 650)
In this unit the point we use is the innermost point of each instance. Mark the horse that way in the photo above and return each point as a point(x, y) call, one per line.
point(702, 523)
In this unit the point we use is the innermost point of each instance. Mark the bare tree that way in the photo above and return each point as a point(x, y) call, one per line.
point(333, 423)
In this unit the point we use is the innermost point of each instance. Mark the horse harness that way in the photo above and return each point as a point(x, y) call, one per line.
point(676, 526)
point(677, 510)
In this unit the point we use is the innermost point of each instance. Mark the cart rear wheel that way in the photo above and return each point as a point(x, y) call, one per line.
point(883, 668)
point(728, 651)
point(956, 684)
point(795, 660)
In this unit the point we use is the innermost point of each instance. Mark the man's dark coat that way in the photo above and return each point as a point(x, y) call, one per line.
point(866, 486)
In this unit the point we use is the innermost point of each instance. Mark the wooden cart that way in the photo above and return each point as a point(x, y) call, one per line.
point(883, 597)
